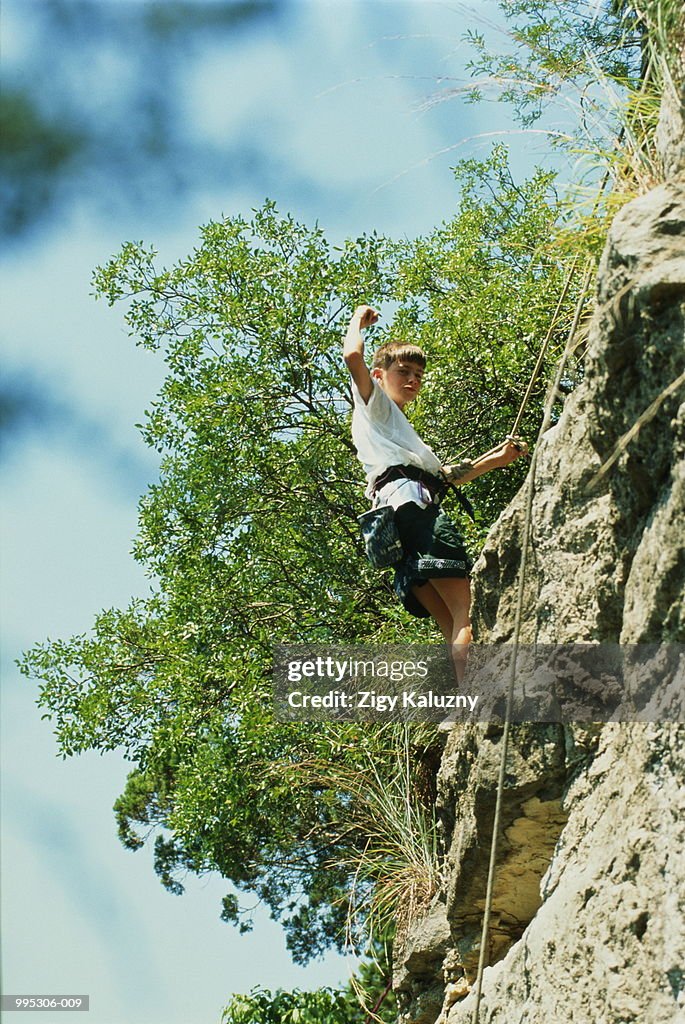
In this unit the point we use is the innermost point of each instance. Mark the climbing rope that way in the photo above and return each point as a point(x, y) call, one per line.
point(649, 414)
point(552, 393)
point(538, 364)
point(551, 396)
point(530, 489)
point(371, 1015)
point(562, 297)
point(545, 345)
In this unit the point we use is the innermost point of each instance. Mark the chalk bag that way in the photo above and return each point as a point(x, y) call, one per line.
point(380, 536)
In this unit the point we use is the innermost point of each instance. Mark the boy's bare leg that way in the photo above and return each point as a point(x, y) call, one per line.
point(431, 600)
point(449, 602)
point(456, 595)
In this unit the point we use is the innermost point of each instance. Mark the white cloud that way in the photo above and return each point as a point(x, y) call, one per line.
point(232, 85)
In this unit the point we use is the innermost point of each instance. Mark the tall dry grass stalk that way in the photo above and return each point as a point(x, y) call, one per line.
point(386, 834)
point(609, 119)
point(634, 107)
point(614, 143)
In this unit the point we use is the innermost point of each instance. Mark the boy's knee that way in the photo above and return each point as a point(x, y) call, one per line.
point(463, 638)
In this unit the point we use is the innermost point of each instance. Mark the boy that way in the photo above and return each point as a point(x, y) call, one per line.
point(433, 577)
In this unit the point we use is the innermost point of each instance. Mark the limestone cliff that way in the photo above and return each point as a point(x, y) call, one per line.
point(588, 920)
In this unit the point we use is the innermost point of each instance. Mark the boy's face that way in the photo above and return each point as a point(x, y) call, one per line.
point(401, 381)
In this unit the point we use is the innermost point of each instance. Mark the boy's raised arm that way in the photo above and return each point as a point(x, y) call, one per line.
point(353, 349)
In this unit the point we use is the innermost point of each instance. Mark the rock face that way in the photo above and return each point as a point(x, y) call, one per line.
point(588, 917)
point(607, 944)
point(608, 560)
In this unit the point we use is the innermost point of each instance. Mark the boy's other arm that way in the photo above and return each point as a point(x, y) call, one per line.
point(353, 349)
point(502, 456)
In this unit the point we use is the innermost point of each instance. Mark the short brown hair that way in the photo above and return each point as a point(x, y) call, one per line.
point(397, 351)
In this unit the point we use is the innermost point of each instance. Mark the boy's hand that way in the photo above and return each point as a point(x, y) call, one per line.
point(365, 315)
point(511, 449)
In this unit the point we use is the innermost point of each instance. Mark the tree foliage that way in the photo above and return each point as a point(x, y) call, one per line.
point(250, 535)
point(349, 1005)
point(599, 71)
point(264, 1007)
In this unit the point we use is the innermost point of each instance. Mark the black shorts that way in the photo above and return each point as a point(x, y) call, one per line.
point(433, 549)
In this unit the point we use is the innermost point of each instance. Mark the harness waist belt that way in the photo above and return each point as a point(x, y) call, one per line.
point(437, 486)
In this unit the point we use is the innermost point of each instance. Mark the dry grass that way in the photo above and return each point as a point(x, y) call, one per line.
point(386, 837)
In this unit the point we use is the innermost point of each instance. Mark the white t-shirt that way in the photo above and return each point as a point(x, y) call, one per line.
point(384, 437)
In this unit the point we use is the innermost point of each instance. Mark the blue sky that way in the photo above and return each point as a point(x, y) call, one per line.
point(318, 106)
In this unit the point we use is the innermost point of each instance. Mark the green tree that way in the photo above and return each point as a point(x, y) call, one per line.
point(350, 1005)
point(557, 52)
point(264, 1007)
point(250, 533)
